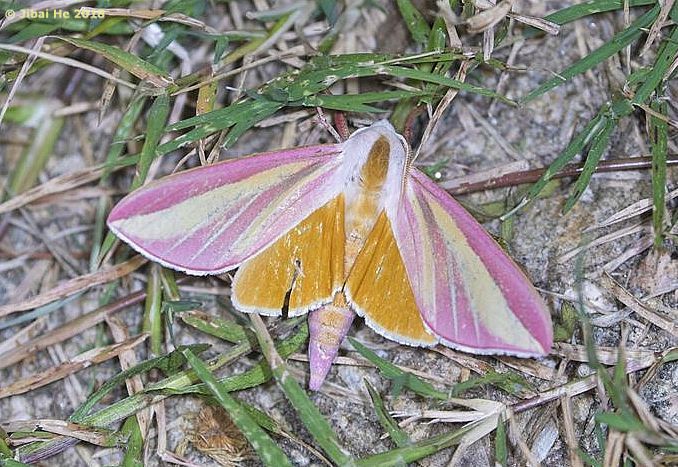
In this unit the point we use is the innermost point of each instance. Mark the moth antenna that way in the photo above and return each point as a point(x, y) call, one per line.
point(409, 160)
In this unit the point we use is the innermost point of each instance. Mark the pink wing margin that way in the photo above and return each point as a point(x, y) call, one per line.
point(469, 292)
point(210, 219)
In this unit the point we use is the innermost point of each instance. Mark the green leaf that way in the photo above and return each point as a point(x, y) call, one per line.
point(166, 363)
point(659, 130)
point(258, 374)
point(218, 327)
point(671, 356)
point(358, 102)
point(113, 157)
point(152, 322)
point(509, 382)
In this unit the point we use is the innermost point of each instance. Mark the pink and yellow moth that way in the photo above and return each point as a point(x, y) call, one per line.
point(336, 230)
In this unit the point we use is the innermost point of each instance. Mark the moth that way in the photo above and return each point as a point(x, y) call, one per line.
point(336, 230)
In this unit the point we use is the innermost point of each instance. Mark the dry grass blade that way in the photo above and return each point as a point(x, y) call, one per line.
point(68, 62)
point(641, 308)
point(21, 337)
point(606, 355)
point(445, 10)
point(612, 236)
point(532, 368)
point(441, 108)
point(657, 26)
point(636, 209)
point(55, 185)
point(77, 363)
point(128, 360)
point(545, 25)
point(91, 435)
point(158, 15)
point(22, 74)
point(490, 17)
point(570, 389)
point(39, 6)
point(66, 331)
point(570, 433)
point(494, 134)
point(75, 285)
point(614, 448)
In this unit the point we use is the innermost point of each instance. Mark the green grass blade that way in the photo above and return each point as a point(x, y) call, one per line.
point(218, 327)
point(157, 118)
point(387, 422)
point(32, 31)
point(620, 421)
point(255, 376)
point(134, 448)
point(152, 322)
point(584, 9)
point(167, 364)
point(665, 58)
point(358, 102)
point(207, 124)
point(129, 62)
point(509, 381)
point(415, 21)
point(501, 445)
point(313, 420)
point(36, 155)
point(616, 44)
point(7, 461)
point(575, 147)
point(5, 451)
point(430, 77)
point(122, 133)
point(268, 451)
point(659, 130)
point(399, 377)
point(600, 143)
point(415, 451)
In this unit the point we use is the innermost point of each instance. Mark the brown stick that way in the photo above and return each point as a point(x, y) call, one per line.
point(571, 170)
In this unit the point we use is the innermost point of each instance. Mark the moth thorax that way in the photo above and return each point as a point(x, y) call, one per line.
point(373, 172)
point(364, 199)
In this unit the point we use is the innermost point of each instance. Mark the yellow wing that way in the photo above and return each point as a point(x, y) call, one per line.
point(307, 263)
point(379, 290)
